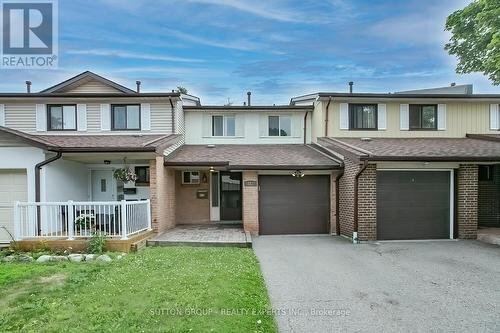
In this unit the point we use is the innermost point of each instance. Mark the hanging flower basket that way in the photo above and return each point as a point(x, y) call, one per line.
point(125, 175)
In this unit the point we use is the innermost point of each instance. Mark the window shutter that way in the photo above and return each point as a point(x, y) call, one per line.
point(263, 125)
point(105, 117)
point(207, 125)
point(382, 116)
point(344, 116)
point(494, 117)
point(2, 115)
point(441, 117)
point(239, 119)
point(81, 117)
point(404, 116)
point(146, 116)
point(41, 117)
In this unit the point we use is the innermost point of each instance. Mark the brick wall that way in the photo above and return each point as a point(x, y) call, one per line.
point(346, 198)
point(367, 204)
point(190, 209)
point(467, 201)
point(489, 200)
point(162, 195)
point(333, 208)
point(251, 203)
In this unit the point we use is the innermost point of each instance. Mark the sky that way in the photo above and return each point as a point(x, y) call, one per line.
point(220, 49)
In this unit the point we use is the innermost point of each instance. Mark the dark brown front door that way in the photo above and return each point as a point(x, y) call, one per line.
point(413, 205)
point(230, 196)
point(289, 205)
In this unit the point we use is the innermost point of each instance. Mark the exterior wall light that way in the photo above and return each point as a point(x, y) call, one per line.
point(298, 174)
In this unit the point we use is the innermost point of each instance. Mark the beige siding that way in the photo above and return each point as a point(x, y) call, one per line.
point(93, 87)
point(20, 116)
point(161, 118)
point(462, 118)
point(93, 117)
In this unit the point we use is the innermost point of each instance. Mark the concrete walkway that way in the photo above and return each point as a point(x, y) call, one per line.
point(203, 235)
point(327, 284)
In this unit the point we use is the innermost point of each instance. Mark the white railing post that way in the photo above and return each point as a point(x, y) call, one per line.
point(124, 219)
point(148, 213)
point(71, 220)
point(17, 221)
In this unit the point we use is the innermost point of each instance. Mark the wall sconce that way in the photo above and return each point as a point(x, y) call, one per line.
point(204, 178)
point(212, 169)
point(298, 174)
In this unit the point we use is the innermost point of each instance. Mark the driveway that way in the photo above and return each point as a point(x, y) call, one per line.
point(327, 284)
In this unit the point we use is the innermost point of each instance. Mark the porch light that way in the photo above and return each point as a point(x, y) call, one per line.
point(298, 174)
point(212, 169)
point(107, 162)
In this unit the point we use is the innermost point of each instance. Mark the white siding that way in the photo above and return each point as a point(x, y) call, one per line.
point(93, 87)
point(21, 117)
point(64, 180)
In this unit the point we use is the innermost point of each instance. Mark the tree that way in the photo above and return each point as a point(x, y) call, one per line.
point(476, 38)
point(182, 90)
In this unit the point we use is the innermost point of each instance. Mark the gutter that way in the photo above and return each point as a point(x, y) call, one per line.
point(356, 211)
point(305, 127)
point(326, 116)
point(173, 116)
point(38, 167)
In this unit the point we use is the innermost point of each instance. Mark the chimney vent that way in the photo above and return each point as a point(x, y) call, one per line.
point(350, 87)
point(453, 84)
point(138, 84)
point(28, 87)
point(249, 95)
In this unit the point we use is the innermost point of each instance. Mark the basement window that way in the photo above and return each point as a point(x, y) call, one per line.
point(190, 177)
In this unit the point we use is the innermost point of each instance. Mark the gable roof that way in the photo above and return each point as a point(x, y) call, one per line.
point(85, 77)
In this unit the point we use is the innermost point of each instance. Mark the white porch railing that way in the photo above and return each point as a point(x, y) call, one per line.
point(72, 220)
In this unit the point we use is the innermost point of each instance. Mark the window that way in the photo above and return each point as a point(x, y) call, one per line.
point(190, 177)
point(423, 117)
point(61, 118)
point(142, 173)
point(280, 125)
point(363, 116)
point(223, 126)
point(126, 117)
point(485, 173)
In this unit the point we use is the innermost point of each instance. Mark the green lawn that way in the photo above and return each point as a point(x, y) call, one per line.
point(174, 289)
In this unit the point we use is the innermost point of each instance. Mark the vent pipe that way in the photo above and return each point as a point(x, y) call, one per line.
point(249, 95)
point(350, 87)
point(138, 84)
point(28, 87)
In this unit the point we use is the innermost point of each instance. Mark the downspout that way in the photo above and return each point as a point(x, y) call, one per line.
point(356, 187)
point(173, 115)
point(305, 127)
point(337, 202)
point(326, 116)
point(38, 167)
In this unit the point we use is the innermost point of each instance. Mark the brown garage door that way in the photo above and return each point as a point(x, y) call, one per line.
point(413, 205)
point(289, 205)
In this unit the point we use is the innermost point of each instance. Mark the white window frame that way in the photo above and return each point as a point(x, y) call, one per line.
point(279, 125)
point(224, 125)
point(194, 178)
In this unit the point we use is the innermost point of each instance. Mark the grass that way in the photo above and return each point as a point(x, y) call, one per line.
point(177, 289)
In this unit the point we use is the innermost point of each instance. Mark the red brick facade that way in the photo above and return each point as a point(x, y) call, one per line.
point(162, 195)
point(467, 201)
point(251, 203)
point(367, 204)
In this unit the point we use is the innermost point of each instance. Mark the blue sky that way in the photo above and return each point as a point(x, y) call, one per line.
point(219, 49)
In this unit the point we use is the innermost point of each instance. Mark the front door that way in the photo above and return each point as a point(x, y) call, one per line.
point(103, 185)
point(230, 196)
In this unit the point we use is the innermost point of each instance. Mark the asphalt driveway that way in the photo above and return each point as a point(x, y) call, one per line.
point(327, 284)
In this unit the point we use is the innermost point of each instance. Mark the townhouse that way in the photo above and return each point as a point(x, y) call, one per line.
point(91, 154)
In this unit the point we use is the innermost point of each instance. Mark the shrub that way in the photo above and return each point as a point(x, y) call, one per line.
point(97, 242)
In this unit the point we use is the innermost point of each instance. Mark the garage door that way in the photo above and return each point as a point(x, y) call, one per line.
point(413, 205)
point(289, 205)
point(13, 187)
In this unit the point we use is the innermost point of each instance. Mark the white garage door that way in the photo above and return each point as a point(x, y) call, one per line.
point(13, 187)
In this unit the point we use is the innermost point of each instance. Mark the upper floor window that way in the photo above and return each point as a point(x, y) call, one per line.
point(363, 116)
point(61, 117)
point(126, 117)
point(423, 117)
point(280, 125)
point(223, 126)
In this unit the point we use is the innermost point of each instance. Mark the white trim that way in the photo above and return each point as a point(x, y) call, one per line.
point(441, 117)
point(381, 117)
point(2, 114)
point(344, 116)
point(494, 117)
point(214, 211)
point(404, 117)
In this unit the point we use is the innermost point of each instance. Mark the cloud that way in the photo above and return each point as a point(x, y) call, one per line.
point(130, 55)
point(259, 9)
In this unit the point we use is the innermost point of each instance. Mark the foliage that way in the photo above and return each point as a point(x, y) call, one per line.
point(84, 221)
point(476, 38)
point(125, 175)
point(138, 293)
point(182, 90)
point(97, 242)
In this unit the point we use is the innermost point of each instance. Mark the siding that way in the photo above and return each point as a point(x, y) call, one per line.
point(93, 87)
point(21, 116)
point(462, 118)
